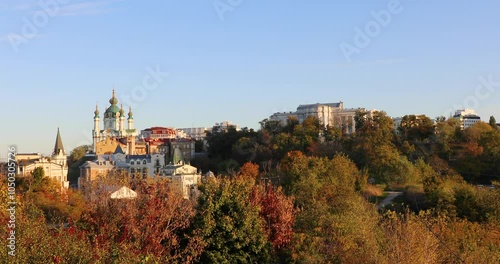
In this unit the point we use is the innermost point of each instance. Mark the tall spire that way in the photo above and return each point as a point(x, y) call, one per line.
point(58, 148)
point(130, 114)
point(96, 112)
point(113, 100)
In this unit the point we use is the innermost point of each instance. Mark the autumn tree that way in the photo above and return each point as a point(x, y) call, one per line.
point(152, 226)
point(330, 211)
point(278, 214)
point(249, 170)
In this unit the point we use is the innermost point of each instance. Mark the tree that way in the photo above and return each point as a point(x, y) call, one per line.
point(38, 173)
point(79, 152)
point(330, 211)
point(250, 170)
point(229, 223)
point(153, 226)
point(199, 146)
point(493, 122)
point(372, 132)
point(416, 127)
point(278, 214)
point(446, 134)
point(332, 133)
point(476, 131)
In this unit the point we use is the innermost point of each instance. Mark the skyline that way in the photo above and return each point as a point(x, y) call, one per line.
point(242, 66)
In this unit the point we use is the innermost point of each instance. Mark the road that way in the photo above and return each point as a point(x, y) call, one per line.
point(388, 199)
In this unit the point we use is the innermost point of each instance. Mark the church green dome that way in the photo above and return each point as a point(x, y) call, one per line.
point(177, 157)
point(113, 109)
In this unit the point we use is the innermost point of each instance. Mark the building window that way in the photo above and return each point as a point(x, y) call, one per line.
point(144, 162)
point(132, 162)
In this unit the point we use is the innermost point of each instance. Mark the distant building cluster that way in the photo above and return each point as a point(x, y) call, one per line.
point(329, 114)
point(155, 152)
point(154, 166)
point(166, 152)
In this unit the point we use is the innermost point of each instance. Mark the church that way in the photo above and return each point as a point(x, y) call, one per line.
point(114, 133)
point(55, 167)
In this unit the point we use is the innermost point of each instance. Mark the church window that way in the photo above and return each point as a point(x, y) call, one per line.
point(144, 162)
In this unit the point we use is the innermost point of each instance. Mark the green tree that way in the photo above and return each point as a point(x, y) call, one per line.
point(79, 152)
point(373, 130)
point(330, 211)
point(229, 224)
point(332, 133)
point(37, 174)
point(493, 122)
point(416, 128)
point(199, 146)
point(447, 134)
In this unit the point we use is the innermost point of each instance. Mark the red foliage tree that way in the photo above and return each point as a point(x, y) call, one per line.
point(278, 213)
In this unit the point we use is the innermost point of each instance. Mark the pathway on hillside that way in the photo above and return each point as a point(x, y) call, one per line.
point(388, 199)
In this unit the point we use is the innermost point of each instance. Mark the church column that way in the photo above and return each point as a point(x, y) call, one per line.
point(117, 122)
point(96, 130)
point(130, 119)
point(122, 121)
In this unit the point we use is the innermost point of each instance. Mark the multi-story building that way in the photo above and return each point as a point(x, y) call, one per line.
point(54, 167)
point(182, 175)
point(467, 118)
point(196, 133)
point(224, 126)
point(199, 133)
point(283, 117)
point(168, 146)
point(330, 114)
point(93, 170)
point(159, 132)
point(137, 166)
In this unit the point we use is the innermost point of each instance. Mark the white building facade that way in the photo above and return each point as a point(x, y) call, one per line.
point(329, 114)
point(54, 167)
point(196, 133)
point(467, 118)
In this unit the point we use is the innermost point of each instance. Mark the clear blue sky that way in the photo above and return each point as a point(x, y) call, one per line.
point(262, 57)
